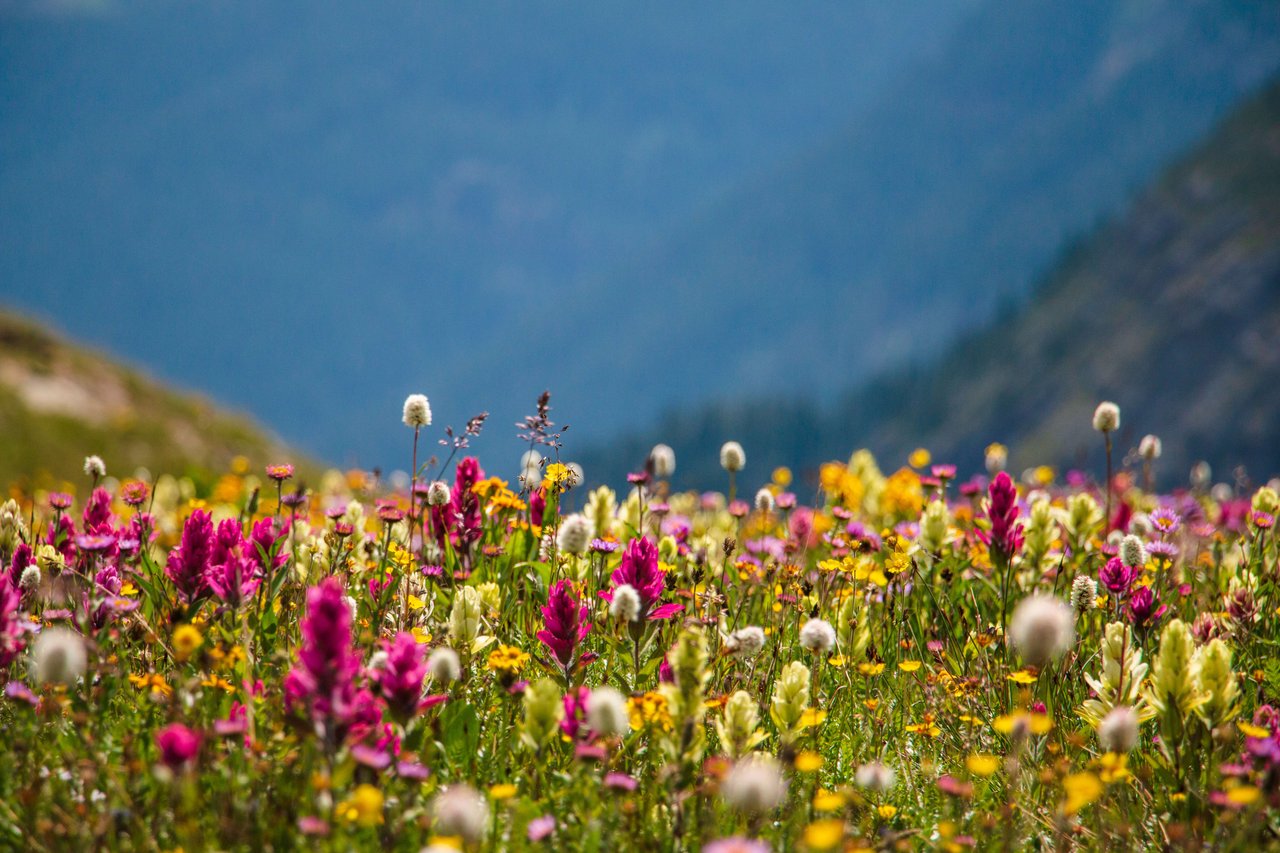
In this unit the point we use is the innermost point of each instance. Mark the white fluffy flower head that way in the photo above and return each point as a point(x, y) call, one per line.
point(575, 534)
point(1118, 731)
point(1106, 418)
point(817, 636)
point(1150, 447)
point(30, 578)
point(625, 604)
point(461, 810)
point(58, 657)
point(746, 642)
point(875, 777)
point(754, 785)
point(1042, 628)
point(95, 467)
point(607, 712)
point(1133, 552)
point(764, 500)
point(1084, 594)
point(417, 411)
point(438, 493)
point(663, 460)
point(732, 456)
point(443, 664)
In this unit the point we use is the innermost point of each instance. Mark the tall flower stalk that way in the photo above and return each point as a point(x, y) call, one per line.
point(565, 626)
point(1004, 537)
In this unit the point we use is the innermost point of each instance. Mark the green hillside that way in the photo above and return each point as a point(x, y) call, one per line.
point(59, 403)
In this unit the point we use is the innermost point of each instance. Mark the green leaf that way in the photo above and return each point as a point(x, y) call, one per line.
point(460, 731)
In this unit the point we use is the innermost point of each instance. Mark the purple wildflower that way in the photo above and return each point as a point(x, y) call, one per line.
point(541, 827)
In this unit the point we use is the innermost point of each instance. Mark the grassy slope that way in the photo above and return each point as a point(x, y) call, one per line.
point(59, 402)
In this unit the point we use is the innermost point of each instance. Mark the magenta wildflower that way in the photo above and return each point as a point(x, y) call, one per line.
point(462, 516)
point(235, 580)
point(97, 512)
point(189, 562)
point(13, 627)
point(237, 565)
point(537, 506)
point(235, 723)
point(262, 546)
point(541, 827)
point(619, 781)
point(178, 744)
point(1115, 576)
point(134, 493)
point(639, 568)
point(1005, 536)
point(322, 682)
point(400, 678)
point(575, 711)
point(737, 844)
point(564, 618)
point(22, 557)
point(1145, 608)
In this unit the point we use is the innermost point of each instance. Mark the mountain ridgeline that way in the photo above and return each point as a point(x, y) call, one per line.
point(1172, 310)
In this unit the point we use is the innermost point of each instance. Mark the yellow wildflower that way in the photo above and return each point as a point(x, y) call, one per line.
point(1081, 790)
point(363, 807)
point(507, 660)
point(982, 765)
point(186, 639)
point(824, 834)
point(649, 709)
point(828, 801)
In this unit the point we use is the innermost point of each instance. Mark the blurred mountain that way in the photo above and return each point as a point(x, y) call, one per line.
point(60, 403)
point(1172, 311)
point(954, 193)
point(311, 209)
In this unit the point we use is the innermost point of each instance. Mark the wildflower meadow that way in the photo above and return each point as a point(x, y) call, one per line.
point(842, 659)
